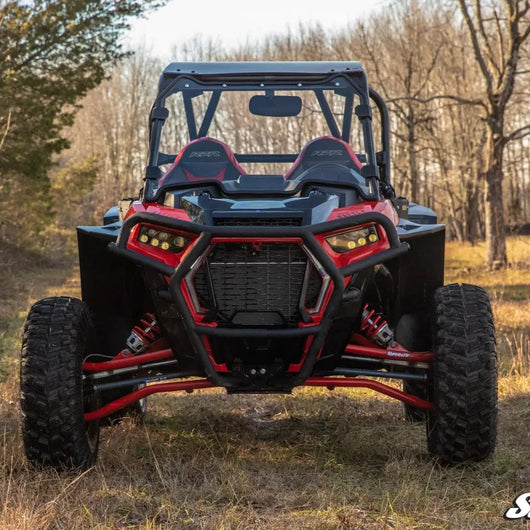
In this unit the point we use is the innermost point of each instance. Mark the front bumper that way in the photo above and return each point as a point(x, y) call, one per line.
point(307, 234)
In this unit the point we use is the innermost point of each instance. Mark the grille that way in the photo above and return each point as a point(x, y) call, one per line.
point(244, 285)
point(257, 221)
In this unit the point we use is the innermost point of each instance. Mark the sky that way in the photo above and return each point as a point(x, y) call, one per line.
point(233, 22)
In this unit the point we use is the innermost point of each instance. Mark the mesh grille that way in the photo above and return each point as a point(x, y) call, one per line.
point(244, 285)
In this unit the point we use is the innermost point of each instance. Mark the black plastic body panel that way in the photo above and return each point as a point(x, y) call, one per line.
point(420, 271)
point(112, 287)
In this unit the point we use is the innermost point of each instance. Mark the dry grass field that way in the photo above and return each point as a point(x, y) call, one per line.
point(313, 459)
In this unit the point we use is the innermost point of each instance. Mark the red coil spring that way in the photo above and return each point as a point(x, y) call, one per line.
point(148, 329)
point(369, 325)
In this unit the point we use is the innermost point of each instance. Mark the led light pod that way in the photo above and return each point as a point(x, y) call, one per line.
point(353, 239)
point(162, 239)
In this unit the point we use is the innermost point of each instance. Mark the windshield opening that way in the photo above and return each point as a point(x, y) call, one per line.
point(255, 139)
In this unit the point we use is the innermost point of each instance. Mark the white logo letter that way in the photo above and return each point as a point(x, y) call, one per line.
point(522, 509)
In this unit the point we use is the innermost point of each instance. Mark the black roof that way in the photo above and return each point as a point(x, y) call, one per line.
point(259, 68)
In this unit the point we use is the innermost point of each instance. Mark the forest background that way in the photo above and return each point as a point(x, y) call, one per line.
point(74, 109)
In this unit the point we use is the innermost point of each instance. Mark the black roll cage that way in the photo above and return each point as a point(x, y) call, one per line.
point(193, 82)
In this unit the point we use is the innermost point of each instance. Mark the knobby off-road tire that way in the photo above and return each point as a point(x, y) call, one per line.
point(57, 336)
point(463, 422)
point(418, 389)
point(411, 333)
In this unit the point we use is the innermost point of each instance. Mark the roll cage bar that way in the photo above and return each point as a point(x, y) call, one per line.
point(346, 78)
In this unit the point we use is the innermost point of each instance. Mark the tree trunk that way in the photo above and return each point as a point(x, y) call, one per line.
point(496, 257)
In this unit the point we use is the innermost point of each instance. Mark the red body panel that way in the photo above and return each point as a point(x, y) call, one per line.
point(341, 259)
point(384, 206)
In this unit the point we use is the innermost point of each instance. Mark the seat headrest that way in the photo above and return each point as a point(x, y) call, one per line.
point(326, 149)
point(204, 150)
point(200, 159)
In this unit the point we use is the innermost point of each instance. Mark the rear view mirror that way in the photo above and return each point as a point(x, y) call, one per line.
point(280, 106)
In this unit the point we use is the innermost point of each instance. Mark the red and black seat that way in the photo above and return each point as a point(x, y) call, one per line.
point(324, 150)
point(203, 159)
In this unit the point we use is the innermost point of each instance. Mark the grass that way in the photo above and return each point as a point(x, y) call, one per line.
point(313, 459)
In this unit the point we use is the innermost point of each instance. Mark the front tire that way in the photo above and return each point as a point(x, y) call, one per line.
point(418, 389)
point(411, 333)
point(462, 425)
point(57, 336)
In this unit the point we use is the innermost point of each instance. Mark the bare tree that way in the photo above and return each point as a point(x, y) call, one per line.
point(402, 66)
point(112, 127)
point(455, 138)
point(497, 34)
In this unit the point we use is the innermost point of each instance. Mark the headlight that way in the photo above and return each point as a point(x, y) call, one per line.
point(352, 239)
point(162, 239)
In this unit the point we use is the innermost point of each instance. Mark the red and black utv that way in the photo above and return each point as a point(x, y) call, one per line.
point(267, 250)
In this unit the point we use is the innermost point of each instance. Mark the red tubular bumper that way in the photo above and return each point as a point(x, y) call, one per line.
point(397, 353)
point(204, 383)
point(131, 360)
point(143, 392)
point(368, 383)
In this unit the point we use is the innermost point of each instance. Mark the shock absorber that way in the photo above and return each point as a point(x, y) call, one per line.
point(375, 327)
point(143, 334)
